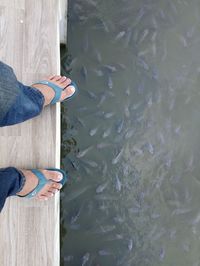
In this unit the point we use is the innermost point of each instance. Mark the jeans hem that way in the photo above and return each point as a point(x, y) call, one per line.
point(23, 180)
point(31, 91)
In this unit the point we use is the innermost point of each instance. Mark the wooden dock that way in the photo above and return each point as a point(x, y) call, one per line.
point(29, 42)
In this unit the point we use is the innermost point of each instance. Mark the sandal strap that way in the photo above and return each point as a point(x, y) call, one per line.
point(42, 181)
point(57, 90)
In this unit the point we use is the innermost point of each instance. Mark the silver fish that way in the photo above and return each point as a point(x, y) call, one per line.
point(120, 35)
point(144, 35)
point(117, 158)
point(68, 258)
point(101, 187)
point(107, 132)
point(84, 72)
point(110, 68)
point(120, 125)
point(81, 154)
point(109, 115)
point(93, 131)
point(85, 258)
point(75, 194)
point(81, 122)
point(92, 95)
point(110, 83)
point(98, 72)
point(104, 252)
point(98, 56)
point(103, 145)
point(75, 217)
point(129, 133)
point(181, 211)
point(118, 184)
point(91, 163)
point(162, 254)
point(183, 41)
point(130, 244)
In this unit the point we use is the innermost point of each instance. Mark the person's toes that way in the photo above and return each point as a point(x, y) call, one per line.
point(62, 79)
point(53, 190)
point(56, 186)
point(42, 197)
point(53, 175)
point(56, 78)
point(67, 92)
point(48, 194)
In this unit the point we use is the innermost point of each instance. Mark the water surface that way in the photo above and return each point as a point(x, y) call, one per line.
point(130, 138)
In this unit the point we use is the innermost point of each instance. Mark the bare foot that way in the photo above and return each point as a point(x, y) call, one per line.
point(48, 190)
point(49, 93)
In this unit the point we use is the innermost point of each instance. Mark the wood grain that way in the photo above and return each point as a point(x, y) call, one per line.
point(29, 42)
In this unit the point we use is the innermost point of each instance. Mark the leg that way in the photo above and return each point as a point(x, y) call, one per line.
point(11, 181)
point(19, 102)
point(20, 182)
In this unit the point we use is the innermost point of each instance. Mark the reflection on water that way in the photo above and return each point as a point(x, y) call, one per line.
point(130, 138)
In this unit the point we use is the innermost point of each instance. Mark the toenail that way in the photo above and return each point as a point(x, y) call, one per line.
point(59, 176)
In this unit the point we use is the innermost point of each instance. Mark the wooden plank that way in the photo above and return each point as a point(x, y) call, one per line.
point(29, 39)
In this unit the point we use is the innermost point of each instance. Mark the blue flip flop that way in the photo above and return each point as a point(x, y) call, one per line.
point(43, 181)
point(58, 90)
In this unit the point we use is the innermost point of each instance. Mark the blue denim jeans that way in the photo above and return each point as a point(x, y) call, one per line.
point(18, 103)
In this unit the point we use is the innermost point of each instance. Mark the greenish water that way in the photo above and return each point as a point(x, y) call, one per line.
point(130, 137)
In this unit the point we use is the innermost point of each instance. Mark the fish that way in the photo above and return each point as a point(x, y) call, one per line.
point(93, 131)
point(75, 217)
point(183, 41)
point(118, 157)
point(130, 244)
point(91, 163)
point(150, 148)
point(81, 154)
point(110, 68)
point(127, 91)
point(122, 66)
point(102, 99)
point(92, 95)
point(120, 125)
point(104, 252)
point(105, 168)
point(85, 258)
point(75, 194)
point(164, 55)
point(68, 258)
point(139, 16)
point(98, 72)
point(86, 43)
point(107, 228)
point(109, 115)
point(110, 83)
point(120, 35)
point(129, 133)
point(128, 37)
point(98, 56)
point(118, 219)
point(84, 72)
point(142, 63)
point(143, 36)
point(118, 184)
point(126, 111)
point(81, 122)
point(103, 145)
point(101, 187)
point(181, 211)
point(107, 132)
point(162, 253)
